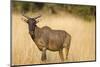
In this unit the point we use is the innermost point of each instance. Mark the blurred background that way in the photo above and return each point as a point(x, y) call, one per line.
point(86, 12)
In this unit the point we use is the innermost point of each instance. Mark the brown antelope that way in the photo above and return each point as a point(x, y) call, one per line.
point(46, 38)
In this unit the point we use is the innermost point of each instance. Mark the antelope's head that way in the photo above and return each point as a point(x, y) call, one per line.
point(31, 21)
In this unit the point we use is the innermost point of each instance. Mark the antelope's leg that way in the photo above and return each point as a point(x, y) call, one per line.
point(61, 55)
point(43, 58)
point(67, 49)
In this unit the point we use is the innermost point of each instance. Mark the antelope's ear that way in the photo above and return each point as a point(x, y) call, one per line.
point(24, 20)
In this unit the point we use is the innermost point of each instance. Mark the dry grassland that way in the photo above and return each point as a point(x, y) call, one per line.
point(24, 50)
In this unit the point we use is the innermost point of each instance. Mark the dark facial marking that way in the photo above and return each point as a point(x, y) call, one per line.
point(31, 24)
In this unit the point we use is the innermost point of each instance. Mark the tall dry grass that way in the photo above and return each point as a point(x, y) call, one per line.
point(24, 50)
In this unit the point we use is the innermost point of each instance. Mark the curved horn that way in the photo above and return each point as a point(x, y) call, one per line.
point(37, 17)
point(26, 16)
point(23, 14)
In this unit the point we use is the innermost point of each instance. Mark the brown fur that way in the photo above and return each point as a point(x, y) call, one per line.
point(53, 40)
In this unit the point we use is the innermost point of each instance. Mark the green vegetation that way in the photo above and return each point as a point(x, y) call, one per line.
point(85, 11)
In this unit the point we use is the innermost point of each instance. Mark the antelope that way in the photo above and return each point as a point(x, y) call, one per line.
point(46, 38)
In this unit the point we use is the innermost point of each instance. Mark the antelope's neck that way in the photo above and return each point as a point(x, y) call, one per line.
point(35, 32)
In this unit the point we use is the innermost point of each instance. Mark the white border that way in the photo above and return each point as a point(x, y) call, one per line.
point(93, 2)
point(5, 32)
